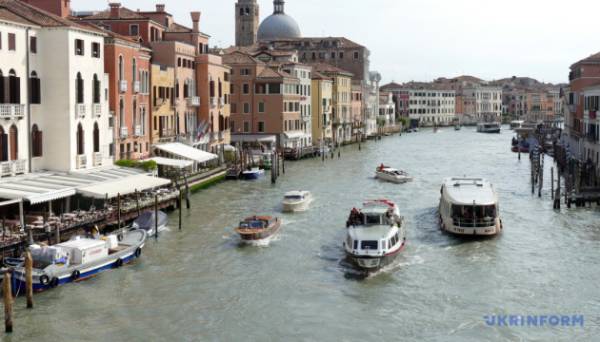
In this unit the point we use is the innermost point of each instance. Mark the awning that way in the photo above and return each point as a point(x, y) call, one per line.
point(187, 152)
point(294, 135)
point(124, 186)
point(34, 189)
point(258, 138)
point(176, 163)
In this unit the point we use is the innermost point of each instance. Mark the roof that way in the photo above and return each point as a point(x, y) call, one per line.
point(319, 76)
point(124, 186)
point(370, 233)
point(469, 191)
point(124, 13)
point(238, 57)
point(187, 152)
point(592, 59)
point(28, 14)
point(270, 73)
point(390, 86)
point(325, 68)
point(176, 163)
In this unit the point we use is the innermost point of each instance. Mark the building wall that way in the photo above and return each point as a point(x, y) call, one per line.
point(214, 110)
point(246, 22)
point(162, 76)
point(342, 104)
point(432, 107)
point(321, 111)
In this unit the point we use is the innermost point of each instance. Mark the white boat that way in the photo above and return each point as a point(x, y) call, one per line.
point(488, 127)
point(294, 201)
point(469, 206)
point(516, 124)
point(147, 222)
point(253, 174)
point(375, 235)
point(78, 259)
point(392, 175)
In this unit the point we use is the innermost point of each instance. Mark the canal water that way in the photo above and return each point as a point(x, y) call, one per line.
point(200, 284)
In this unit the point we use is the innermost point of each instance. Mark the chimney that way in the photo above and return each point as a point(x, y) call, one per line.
point(61, 8)
point(196, 21)
point(115, 9)
point(160, 8)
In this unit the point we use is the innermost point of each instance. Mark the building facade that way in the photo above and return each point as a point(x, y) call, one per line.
point(432, 107)
point(162, 80)
point(322, 93)
point(482, 103)
point(247, 15)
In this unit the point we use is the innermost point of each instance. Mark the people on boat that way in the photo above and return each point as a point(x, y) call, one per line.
point(356, 218)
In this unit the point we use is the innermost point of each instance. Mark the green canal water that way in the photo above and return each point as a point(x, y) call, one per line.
point(201, 285)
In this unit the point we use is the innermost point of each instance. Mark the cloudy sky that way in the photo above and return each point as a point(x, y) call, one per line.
point(424, 39)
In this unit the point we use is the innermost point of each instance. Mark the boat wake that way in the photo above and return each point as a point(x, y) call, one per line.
point(261, 243)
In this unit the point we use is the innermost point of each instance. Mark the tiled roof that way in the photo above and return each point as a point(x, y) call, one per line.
point(270, 73)
point(239, 58)
point(319, 76)
point(9, 16)
point(391, 85)
point(124, 13)
point(593, 59)
point(174, 27)
point(325, 68)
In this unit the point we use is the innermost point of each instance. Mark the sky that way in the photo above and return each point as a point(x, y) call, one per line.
point(420, 40)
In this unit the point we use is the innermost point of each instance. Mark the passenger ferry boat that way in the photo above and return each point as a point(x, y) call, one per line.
point(469, 206)
point(258, 228)
point(375, 235)
point(78, 259)
point(294, 201)
point(392, 175)
point(516, 124)
point(488, 127)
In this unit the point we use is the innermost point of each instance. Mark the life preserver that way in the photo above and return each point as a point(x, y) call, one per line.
point(119, 263)
point(54, 282)
point(75, 275)
point(120, 237)
point(138, 252)
point(44, 280)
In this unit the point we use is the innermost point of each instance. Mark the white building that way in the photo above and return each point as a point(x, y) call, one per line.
point(482, 103)
point(65, 110)
point(304, 74)
point(371, 107)
point(430, 107)
point(387, 110)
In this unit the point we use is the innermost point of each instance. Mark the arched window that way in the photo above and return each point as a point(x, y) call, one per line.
point(220, 88)
point(134, 113)
point(121, 68)
point(36, 141)
point(3, 145)
point(221, 122)
point(212, 88)
point(96, 89)
point(13, 134)
point(35, 85)
point(134, 70)
point(2, 98)
point(80, 88)
point(96, 138)
point(179, 62)
point(80, 140)
point(14, 88)
point(121, 113)
point(241, 11)
point(186, 89)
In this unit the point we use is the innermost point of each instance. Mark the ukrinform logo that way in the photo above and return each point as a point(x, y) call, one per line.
point(534, 321)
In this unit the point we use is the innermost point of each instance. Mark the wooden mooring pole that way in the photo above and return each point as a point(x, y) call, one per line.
point(156, 217)
point(557, 196)
point(29, 279)
point(118, 211)
point(8, 302)
point(552, 182)
point(179, 207)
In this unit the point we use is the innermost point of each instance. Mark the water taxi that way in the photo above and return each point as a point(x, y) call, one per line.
point(375, 235)
point(392, 175)
point(78, 259)
point(294, 201)
point(258, 228)
point(488, 127)
point(469, 206)
point(253, 173)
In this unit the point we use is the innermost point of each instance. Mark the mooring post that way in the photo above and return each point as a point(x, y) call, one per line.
point(552, 182)
point(187, 194)
point(137, 202)
point(156, 216)
point(557, 198)
point(8, 303)
point(180, 203)
point(532, 180)
point(540, 181)
point(119, 211)
point(283, 162)
point(57, 234)
point(29, 279)
point(339, 151)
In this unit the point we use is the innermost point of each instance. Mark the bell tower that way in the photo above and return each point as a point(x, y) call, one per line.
point(246, 22)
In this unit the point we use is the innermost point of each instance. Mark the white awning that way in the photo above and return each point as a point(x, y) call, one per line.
point(259, 138)
point(187, 152)
point(294, 135)
point(177, 163)
point(124, 186)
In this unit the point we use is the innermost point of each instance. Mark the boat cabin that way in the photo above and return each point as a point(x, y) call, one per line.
point(469, 202)
point(257, 222)
point(296, 195)
point(377, 216)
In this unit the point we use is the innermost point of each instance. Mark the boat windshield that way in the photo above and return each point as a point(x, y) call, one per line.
point(252, 224)
point(294, 197)
point(371, 219)
point(369, 245)
point(470, 215)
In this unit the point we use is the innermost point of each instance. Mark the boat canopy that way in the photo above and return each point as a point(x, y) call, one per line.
point(470, 191)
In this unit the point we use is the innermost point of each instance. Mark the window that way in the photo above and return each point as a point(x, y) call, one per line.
point(96, 89)
point(232, 89)
point(12, 42)
point(368, 245)
point(246, 108)
point(121, 68)
point(79, 90)
point(261, 107)
point(234, 108)
point(34, 83)
point(36, 140)
point(96, 50)
point(356, 55)
point(33, 44)
point(246, 89)
point(259, 88)
point(134, 30)
point(261, 127)
point(79, 48)
point(245, 72)
point(246, 127)
point(274, 88)
point(341, 55)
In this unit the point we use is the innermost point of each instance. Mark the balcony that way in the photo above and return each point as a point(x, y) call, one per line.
point(136, 87)
point(13, 168)
point(138, 130)
point(81, 162)
point(97, 159)
point(123, 86)
point(213, 102)
point(80, 110)
point(222, 101)
point(97, 110)
point(124, 132)
point(193, 101)
point(12, 111)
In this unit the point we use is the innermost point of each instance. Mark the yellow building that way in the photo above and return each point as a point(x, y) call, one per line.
point(322, 91)
point(162, 120)
point(341, 111)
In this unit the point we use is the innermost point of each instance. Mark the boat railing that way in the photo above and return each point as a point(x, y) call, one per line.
point(473, 223)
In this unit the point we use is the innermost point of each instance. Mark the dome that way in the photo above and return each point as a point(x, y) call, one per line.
point(278, 25)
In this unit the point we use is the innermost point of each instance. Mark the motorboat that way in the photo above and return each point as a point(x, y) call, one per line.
point(258, 228)
point(488, 127)
point(294, 201)
point(469, 206)
point(457, 127)
point(375, 235)
point(79, 259)
point(146, 221)
point(392, 175)
point(516, 124)
point(253, 173)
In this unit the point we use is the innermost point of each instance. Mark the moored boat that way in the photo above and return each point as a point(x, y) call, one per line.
point(294, 201)
point(258, 228)
point(253, 174)
point(469, 206)
point(392, 175)
point(375, 235)
point(457, 127)
point(488, 127)
point(78, 259)
point(146, 221)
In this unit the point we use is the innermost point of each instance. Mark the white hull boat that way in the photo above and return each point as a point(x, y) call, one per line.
point(296, 201)
point(391, 175)
point(147, 222)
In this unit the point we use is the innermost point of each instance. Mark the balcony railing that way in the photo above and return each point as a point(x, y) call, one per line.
point(123, 86)
point(222, 101)
point(81, 162)
point(80, 110)
point(213, 102)
point(138, 130)
point(124, 132)
point(136, 86)
point(12, 168)
point(12, 111)
point(96, 109)
point(97, 159)
point(193, 101)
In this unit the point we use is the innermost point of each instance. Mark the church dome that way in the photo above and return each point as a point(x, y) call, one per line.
point(279, 25)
